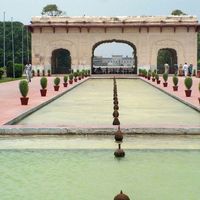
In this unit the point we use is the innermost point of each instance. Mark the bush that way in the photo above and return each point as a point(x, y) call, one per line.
point(57, 81)
point(75, 74)
point(71, 77)
point(18, 70)
point(165, 77)
point(175, 80)
point(49, 71)
point(188, 82)
point(1, 72)
point(43, 82)
point(157, 77)
point(23, 87)
point(153, 74)
point(65, 78)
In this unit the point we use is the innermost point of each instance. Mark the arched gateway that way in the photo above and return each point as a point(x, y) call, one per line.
point(79, 36)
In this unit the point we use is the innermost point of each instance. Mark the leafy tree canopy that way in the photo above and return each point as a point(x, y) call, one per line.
point(51, 10)
point(178, 12)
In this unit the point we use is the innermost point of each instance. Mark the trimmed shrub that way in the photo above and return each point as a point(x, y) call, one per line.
point(65, 79)
point(43, 82)
point(49, 71)
point(1, 72)
point(165, 77)
point(153, 74)
point(17, 67)
point(175, 80)
point(71, 77)
point(23, 87)
point(57, 81)
point(188, 82)
point(75, 74)
point(157, 77)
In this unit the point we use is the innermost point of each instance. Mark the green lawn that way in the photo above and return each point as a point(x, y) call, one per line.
point(7, 79)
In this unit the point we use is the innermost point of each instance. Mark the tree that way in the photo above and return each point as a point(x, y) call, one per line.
point(51, 10)
point(178, 12)
point(17, 31)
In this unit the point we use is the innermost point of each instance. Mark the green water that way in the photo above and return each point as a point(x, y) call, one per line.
point(91, 105)
point(97, 175)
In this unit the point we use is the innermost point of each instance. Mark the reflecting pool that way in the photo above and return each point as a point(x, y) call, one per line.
point(96, 174)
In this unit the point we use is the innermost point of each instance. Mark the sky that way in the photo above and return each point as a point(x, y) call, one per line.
point(23, 10)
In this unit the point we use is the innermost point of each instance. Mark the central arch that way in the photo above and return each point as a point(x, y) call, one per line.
point(60, 61)
point(134, 71)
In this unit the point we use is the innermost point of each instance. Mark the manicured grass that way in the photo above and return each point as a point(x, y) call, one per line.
point(7, 79)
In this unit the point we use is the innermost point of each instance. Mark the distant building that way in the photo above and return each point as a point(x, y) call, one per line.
point(115, 60)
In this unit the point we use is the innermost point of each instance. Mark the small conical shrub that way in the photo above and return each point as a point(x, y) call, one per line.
point(23, 87)
point(57, 81)
point(157, 77)
point(43, 82)
point(165, 77)
point(65, 79)
point(175, 80)
point(153, 74)
point(188, 82)
point(71, 77)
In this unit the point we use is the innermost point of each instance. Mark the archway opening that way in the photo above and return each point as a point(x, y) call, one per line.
point(61, 61)
point(167, 56)
point(114, 57)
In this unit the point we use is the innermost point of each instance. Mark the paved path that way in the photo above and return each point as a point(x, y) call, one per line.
point(10, 97)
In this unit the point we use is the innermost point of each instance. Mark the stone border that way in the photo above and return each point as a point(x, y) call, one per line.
point(28, 131)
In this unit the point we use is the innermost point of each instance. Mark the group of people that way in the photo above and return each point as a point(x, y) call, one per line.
point(185, 69)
